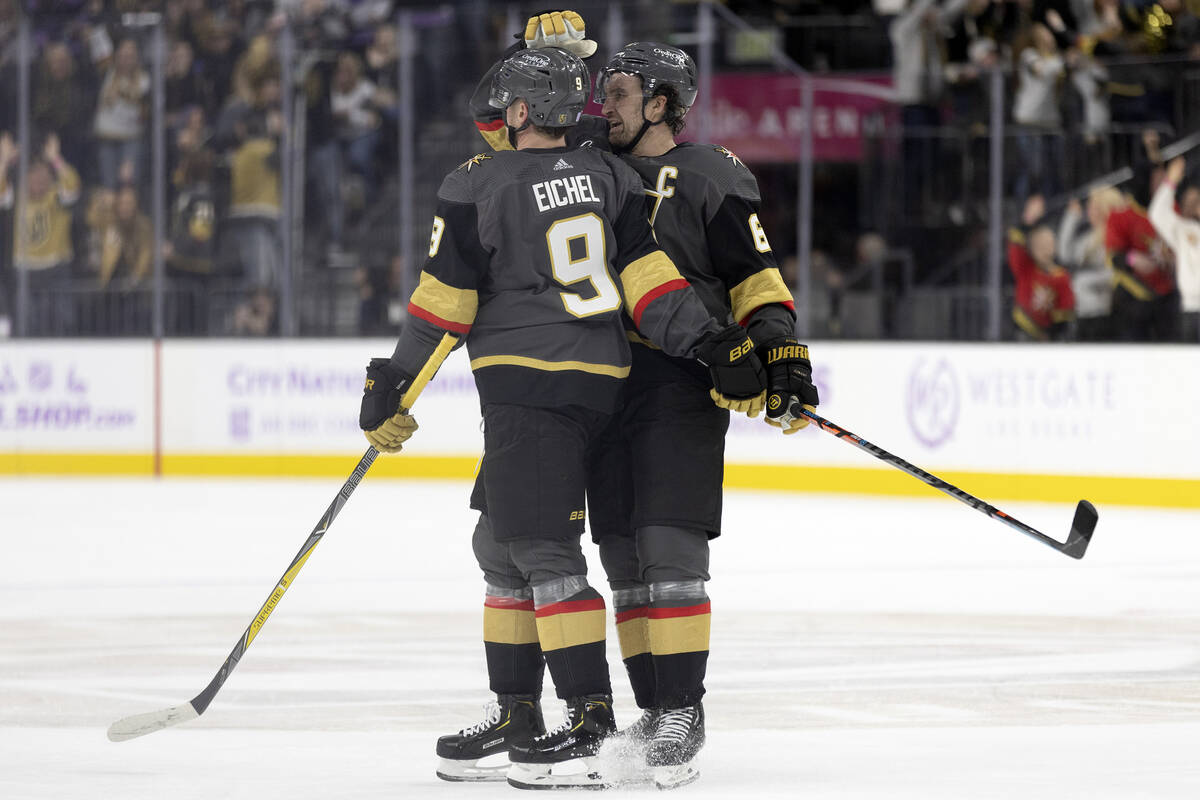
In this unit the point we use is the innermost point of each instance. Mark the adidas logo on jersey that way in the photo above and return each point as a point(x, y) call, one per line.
point(562, 164)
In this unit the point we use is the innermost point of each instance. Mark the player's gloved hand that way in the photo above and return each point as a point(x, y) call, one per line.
point(386, 425)
point(563, 29)
point(738, 377)
point(789, 381)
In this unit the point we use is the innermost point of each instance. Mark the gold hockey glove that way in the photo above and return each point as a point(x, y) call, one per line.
point(564, 29)
point(750, 406)
point(386, 425)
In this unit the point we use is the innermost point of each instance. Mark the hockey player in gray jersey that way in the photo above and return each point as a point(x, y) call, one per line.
point(655, 499)
point(658, 503)
point(534, 256)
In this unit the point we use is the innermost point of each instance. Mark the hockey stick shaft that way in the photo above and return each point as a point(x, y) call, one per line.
point(141, 724)
point(1081, 528)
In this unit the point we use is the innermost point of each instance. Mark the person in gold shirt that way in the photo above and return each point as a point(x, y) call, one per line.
point(42, 246)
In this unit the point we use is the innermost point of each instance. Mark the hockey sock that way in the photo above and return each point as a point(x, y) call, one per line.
point(570, 627)
point(510, 642)
point(632, 606)
point(679, 622)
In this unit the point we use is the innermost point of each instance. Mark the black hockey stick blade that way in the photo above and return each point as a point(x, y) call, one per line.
point(1081, 530)
point(1082, 527)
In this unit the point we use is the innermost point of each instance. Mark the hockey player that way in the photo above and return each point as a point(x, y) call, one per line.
point(656, 501)
point(654, 520)
point(527, 252)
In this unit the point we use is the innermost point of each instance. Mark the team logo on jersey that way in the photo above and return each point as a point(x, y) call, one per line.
point(725, 151)
point(474, 161)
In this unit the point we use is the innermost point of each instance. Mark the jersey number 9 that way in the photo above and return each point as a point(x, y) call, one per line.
point(591, 265)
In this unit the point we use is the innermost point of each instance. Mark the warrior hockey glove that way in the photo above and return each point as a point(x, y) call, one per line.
point(386, 425)
point(738, 376)
point(789, 381)
point(562, 29)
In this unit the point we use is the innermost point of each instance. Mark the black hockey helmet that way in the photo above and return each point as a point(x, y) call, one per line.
point(657, 65)
point(553, 82)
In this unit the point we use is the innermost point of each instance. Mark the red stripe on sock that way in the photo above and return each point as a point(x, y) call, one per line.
point(685, 611)
point(572, 606)
point(508, 603)
point(633, 613)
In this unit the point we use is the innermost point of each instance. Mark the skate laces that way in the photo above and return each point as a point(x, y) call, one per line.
point(491, 716)
point(565, 725)
point(674, 724)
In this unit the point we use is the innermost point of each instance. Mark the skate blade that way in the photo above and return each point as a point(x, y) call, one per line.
point(489, 768)
point(675, 776)
point(575, 774)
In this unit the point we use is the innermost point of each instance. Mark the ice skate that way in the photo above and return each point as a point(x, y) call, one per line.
point(678, 737)
point(568, 756)
point(480, 752)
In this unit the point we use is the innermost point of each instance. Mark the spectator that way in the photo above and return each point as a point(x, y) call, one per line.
point(128, 241)
point(352, 99)
point(917, 45)
point(251, 237)
point(1040, 69)
point(185, 86)
point(190, 251)
point(120, 116)
point(126, 258)
point(1044, 301)
point(1145, 301)
point(255, 316)
point(42, 245)
point(1181, 230)
point(1082, 249)
point(59, 101)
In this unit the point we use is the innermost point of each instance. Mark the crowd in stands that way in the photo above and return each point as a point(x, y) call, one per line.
point(1123, 267)
point(85, 235)
point(85, 220)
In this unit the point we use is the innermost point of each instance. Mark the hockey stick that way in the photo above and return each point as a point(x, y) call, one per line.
point(141, 724)
point(1081, 528)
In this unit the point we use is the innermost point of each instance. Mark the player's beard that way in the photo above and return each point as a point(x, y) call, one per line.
point(622, 135)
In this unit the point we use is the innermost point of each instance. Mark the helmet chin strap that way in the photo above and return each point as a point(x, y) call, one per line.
point(645, 127)
point(512, 132)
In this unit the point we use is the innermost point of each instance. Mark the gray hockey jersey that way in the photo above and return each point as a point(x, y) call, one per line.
point(533, 257)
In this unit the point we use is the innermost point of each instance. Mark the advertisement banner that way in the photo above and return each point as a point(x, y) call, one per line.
point(1071, 410)
point(76, 397)
point(300, 397)
point(760, 116)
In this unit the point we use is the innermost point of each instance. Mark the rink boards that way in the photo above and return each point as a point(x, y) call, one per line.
point(1115, 424)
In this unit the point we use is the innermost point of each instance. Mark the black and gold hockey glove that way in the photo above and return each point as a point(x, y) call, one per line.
point(789, 381)
point(386, 425)
point(738, 377)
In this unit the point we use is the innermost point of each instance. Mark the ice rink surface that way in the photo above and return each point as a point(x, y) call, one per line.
point(862, 648)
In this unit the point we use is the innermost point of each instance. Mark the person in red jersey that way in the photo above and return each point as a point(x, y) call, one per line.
point(1044, 303)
